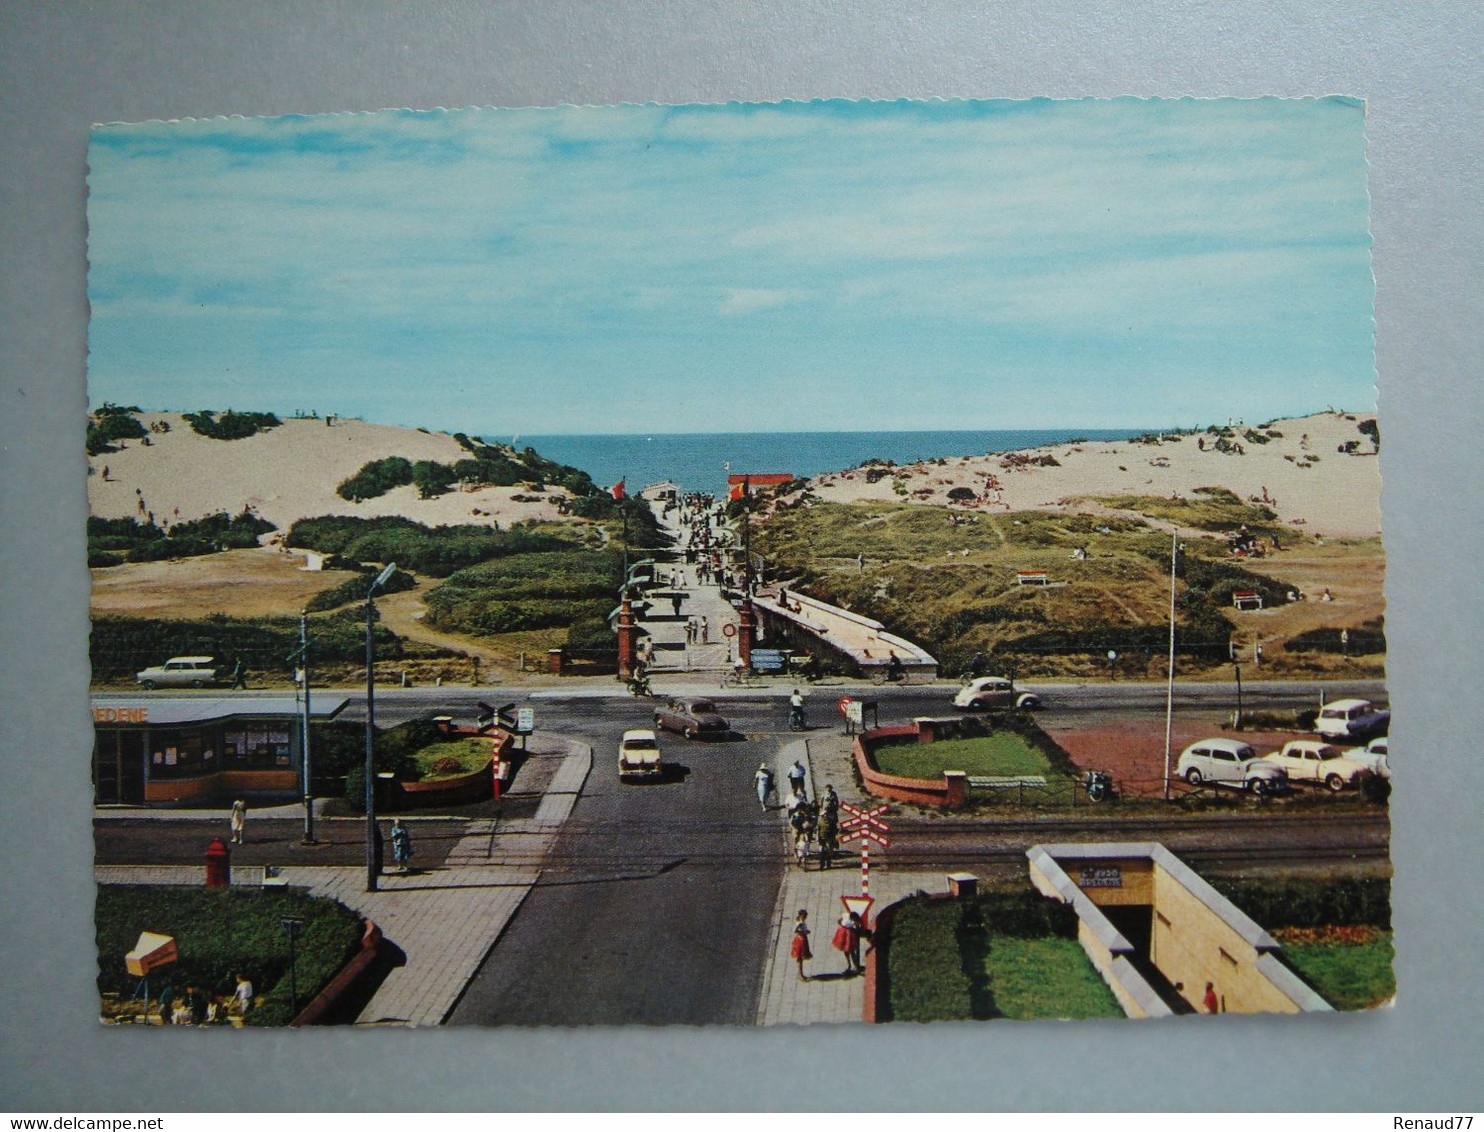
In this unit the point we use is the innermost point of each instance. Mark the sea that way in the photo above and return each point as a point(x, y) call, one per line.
point(702, 461)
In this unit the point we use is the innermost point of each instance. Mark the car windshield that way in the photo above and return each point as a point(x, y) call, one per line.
point(638, 744)
point(1328, 753)
point(702, 705)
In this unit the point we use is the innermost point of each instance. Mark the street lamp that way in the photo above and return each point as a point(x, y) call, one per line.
point(300, 660)
point(1170, 685)
point(372, 834)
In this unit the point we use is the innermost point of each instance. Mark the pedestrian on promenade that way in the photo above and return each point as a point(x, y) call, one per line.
point(705, 631)
point(847, 941)
point(401, 846)
point(1211, 1004)
point(796, 776)
point(238, 822)
point(239, 675)
point(675, 600)
point(764, 781)
point(798, 950)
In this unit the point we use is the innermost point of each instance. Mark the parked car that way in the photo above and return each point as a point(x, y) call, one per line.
point(1351, 719)
point(1308, 760)
point(692, 718)
point(1374, 756)
point(994, 692)
point(1230, 762)
point(639, 756)
point(181, 672)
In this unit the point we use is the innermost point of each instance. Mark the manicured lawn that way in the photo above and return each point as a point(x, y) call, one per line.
point(1003, 753)
point(221, 931)
point(1349, 976)
point(942, 969)
point(448, 758)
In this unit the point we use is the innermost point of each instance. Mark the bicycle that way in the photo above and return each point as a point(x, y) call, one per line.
point(639, 688)
point(740, 680)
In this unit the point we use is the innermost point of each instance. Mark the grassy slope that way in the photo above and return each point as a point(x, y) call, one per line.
point(918, 579)
point(1349, 976)
point(941, 973)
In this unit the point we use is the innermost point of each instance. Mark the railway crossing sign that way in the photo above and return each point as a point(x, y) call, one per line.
point(860, 905)
point(865, 824)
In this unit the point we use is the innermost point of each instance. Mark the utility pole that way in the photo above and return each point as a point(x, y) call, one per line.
point(308, 761)
point(372, 833)
point(1170, 684)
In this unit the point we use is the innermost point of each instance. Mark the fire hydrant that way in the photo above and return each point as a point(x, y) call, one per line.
point(218, 864)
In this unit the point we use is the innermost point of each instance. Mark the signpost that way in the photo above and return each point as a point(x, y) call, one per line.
point(864, 826)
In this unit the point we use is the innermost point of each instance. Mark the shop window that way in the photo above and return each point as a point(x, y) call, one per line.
point(182, 754)
point(256, 748)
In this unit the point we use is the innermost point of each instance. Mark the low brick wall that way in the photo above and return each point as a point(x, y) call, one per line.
point(330, 1006)
point(949, 792)
point(475, 786)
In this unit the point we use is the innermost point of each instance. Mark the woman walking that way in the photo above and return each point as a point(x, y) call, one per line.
point(401, 846)
point(238, 821)
point(764, 781)
point(799, 949)
point(847, 941)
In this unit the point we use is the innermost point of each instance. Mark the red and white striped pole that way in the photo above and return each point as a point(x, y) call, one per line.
point(865, 867)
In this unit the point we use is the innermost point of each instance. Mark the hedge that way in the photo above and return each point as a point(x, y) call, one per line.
point(1305, 904)
point(230, 425)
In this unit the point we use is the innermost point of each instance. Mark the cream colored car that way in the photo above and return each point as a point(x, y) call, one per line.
point(1308, 760)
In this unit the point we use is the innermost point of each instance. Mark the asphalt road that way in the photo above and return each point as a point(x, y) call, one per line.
point(657, 898)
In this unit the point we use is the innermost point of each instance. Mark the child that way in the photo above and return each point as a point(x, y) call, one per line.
point(799, 949)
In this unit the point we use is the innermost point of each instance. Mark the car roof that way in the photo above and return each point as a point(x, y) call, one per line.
point(639, 735)
point(190, 660)
point(1315, 743)
point(1346, 705)
point(1223, 743)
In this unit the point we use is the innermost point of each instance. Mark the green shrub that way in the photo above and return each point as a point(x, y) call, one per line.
point(146, 542)
point(436, 551)
point(1368, 639)
point(376, 478)
point(432, 479)
point(231, 425)
point(110, 423)
point(354, 589)
point(1304, 904)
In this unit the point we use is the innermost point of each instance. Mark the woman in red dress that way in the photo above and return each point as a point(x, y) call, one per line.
point(847, 941)
point(799, 949)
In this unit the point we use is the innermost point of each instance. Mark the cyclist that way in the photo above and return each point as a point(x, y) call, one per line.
point(796, 720)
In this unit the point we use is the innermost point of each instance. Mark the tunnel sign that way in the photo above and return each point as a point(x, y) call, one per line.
point(1100, 876)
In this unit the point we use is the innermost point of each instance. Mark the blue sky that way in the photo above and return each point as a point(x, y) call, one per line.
point(828, 265)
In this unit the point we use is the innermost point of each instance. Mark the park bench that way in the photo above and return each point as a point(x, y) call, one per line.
point(1007, 781)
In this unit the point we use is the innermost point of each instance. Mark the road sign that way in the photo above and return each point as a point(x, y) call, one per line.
point(845, 702)
point(525, 721)
point(860, 905)
point(863, 835)
point(864, 819)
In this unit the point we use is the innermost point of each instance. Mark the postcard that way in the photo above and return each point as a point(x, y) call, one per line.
point(747, 564)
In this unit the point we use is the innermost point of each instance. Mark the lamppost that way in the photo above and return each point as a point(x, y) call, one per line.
point(1170, 685)
point(372, 833)
point(303, 666)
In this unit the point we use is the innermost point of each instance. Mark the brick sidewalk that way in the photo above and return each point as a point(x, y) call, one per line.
point(828, 996)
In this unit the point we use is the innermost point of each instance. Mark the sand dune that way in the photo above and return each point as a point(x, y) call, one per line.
point(1309, 483)
point(287, 473)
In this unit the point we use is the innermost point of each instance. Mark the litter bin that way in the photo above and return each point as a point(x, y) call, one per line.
point(218, 864)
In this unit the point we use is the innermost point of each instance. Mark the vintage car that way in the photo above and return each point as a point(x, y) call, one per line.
point(994, 692)
point(1374, 756)
point(181, 672)
point(1351, 719)
point(1309, 760)
point(692, 718)
point(1230, 762)
point(639, 756)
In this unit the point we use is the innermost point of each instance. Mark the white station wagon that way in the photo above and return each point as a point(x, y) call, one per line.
point(181, 672)
point(1229, 762)
point(1351, 719)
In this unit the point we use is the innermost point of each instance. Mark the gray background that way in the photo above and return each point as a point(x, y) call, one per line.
point(65, 65)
